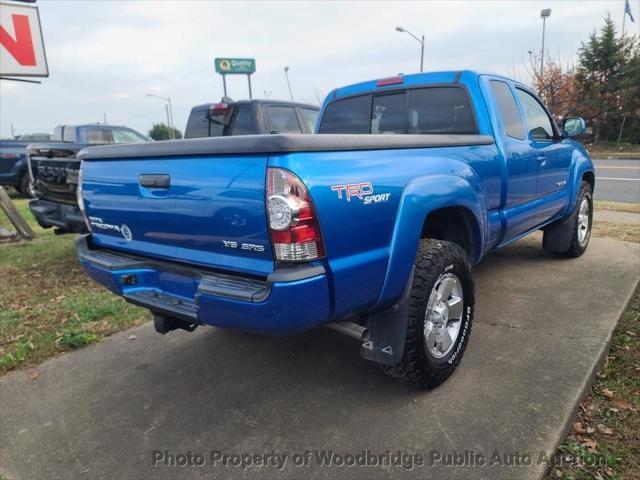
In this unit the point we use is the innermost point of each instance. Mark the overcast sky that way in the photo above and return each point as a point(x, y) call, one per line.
point(105, 56)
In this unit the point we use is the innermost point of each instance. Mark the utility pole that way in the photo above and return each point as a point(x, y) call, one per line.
point(419, 40)
point(544, 14)
point(169, 110)
point(166, 108)
point(286, 74)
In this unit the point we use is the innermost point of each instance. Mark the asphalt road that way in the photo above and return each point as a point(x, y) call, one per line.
point(127, 406)
point(618, 180)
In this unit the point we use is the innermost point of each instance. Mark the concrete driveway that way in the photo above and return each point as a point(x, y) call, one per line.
point(542, 325)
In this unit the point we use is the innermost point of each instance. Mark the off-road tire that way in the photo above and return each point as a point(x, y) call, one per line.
point(417, 366)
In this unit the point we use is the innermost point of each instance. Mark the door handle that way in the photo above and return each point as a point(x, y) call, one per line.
point(541, 160)
point(154, 181)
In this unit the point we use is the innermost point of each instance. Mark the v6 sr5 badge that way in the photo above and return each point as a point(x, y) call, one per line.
point(362, 191)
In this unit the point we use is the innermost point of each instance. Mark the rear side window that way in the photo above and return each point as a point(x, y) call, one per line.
point(68, 134)
point(538, 121)
point(99, 135)
point(283, 120)
point(199, 125)
point(243, 123)
point(389, 113)
point(509, 113)
point(311, 117)
point(440, 110)
point(351, 115)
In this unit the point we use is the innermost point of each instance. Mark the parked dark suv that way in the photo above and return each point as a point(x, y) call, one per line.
point(250, 117)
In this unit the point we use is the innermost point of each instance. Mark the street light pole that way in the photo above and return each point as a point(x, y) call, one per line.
point(544, 14)
point(169, 110)
point(286, 74)
point(419, 40)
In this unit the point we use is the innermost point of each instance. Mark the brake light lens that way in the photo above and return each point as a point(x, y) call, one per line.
point(293, 222)
point(218, 109)
point(383, 82)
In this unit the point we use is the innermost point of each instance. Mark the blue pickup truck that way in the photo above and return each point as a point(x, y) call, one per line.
point(371, 226)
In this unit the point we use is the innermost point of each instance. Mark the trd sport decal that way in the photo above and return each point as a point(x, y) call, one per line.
point(362, 191)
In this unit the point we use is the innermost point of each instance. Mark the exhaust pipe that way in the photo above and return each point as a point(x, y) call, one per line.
point(351, 329)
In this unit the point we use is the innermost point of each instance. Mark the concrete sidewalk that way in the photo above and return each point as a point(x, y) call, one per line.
point(542, 325)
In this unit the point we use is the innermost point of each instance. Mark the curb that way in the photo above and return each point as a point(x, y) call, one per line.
point(599, 361)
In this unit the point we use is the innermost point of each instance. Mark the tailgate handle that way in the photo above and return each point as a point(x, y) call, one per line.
point(155, 181)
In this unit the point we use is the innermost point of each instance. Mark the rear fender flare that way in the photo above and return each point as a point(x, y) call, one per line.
point(420, 197)
point(580, 164)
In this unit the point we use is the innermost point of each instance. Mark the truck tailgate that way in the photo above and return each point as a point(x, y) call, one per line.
point(206, 210)
point(54, 169)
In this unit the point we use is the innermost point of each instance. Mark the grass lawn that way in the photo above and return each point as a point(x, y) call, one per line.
point(613, 150)
point(47, 304)
point(617, 206)
point(605, 436)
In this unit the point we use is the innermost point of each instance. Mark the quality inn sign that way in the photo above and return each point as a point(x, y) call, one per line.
point(231, 66)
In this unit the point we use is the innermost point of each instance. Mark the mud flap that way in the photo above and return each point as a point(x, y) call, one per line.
point(557, 236)
point(388, 331)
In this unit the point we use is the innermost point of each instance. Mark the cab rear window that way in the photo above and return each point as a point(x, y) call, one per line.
point(420, 110)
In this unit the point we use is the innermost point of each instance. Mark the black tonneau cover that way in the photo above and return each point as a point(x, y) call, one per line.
point(282, 143)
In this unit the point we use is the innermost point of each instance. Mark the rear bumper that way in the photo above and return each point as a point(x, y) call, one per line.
point(61, 215)
point(286, 302)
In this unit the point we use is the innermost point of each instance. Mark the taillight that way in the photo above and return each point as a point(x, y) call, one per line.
point(81, 200)
point(293, 223)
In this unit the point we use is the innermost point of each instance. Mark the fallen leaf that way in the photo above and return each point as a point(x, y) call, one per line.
point(580, 429)
point(605, 430)
point(607, 393)
point(621, 404)
point(33, 374)
point(590, 444)
point(132, 337)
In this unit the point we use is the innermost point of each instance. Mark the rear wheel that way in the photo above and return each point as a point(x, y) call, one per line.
point(440, 315)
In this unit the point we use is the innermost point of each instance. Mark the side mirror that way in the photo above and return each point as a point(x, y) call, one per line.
point(573, 126)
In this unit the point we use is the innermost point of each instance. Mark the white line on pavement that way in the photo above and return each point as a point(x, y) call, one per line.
point(604, 167)
point(621, 179)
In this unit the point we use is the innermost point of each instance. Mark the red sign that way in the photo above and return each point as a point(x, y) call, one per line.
point(21, 43)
